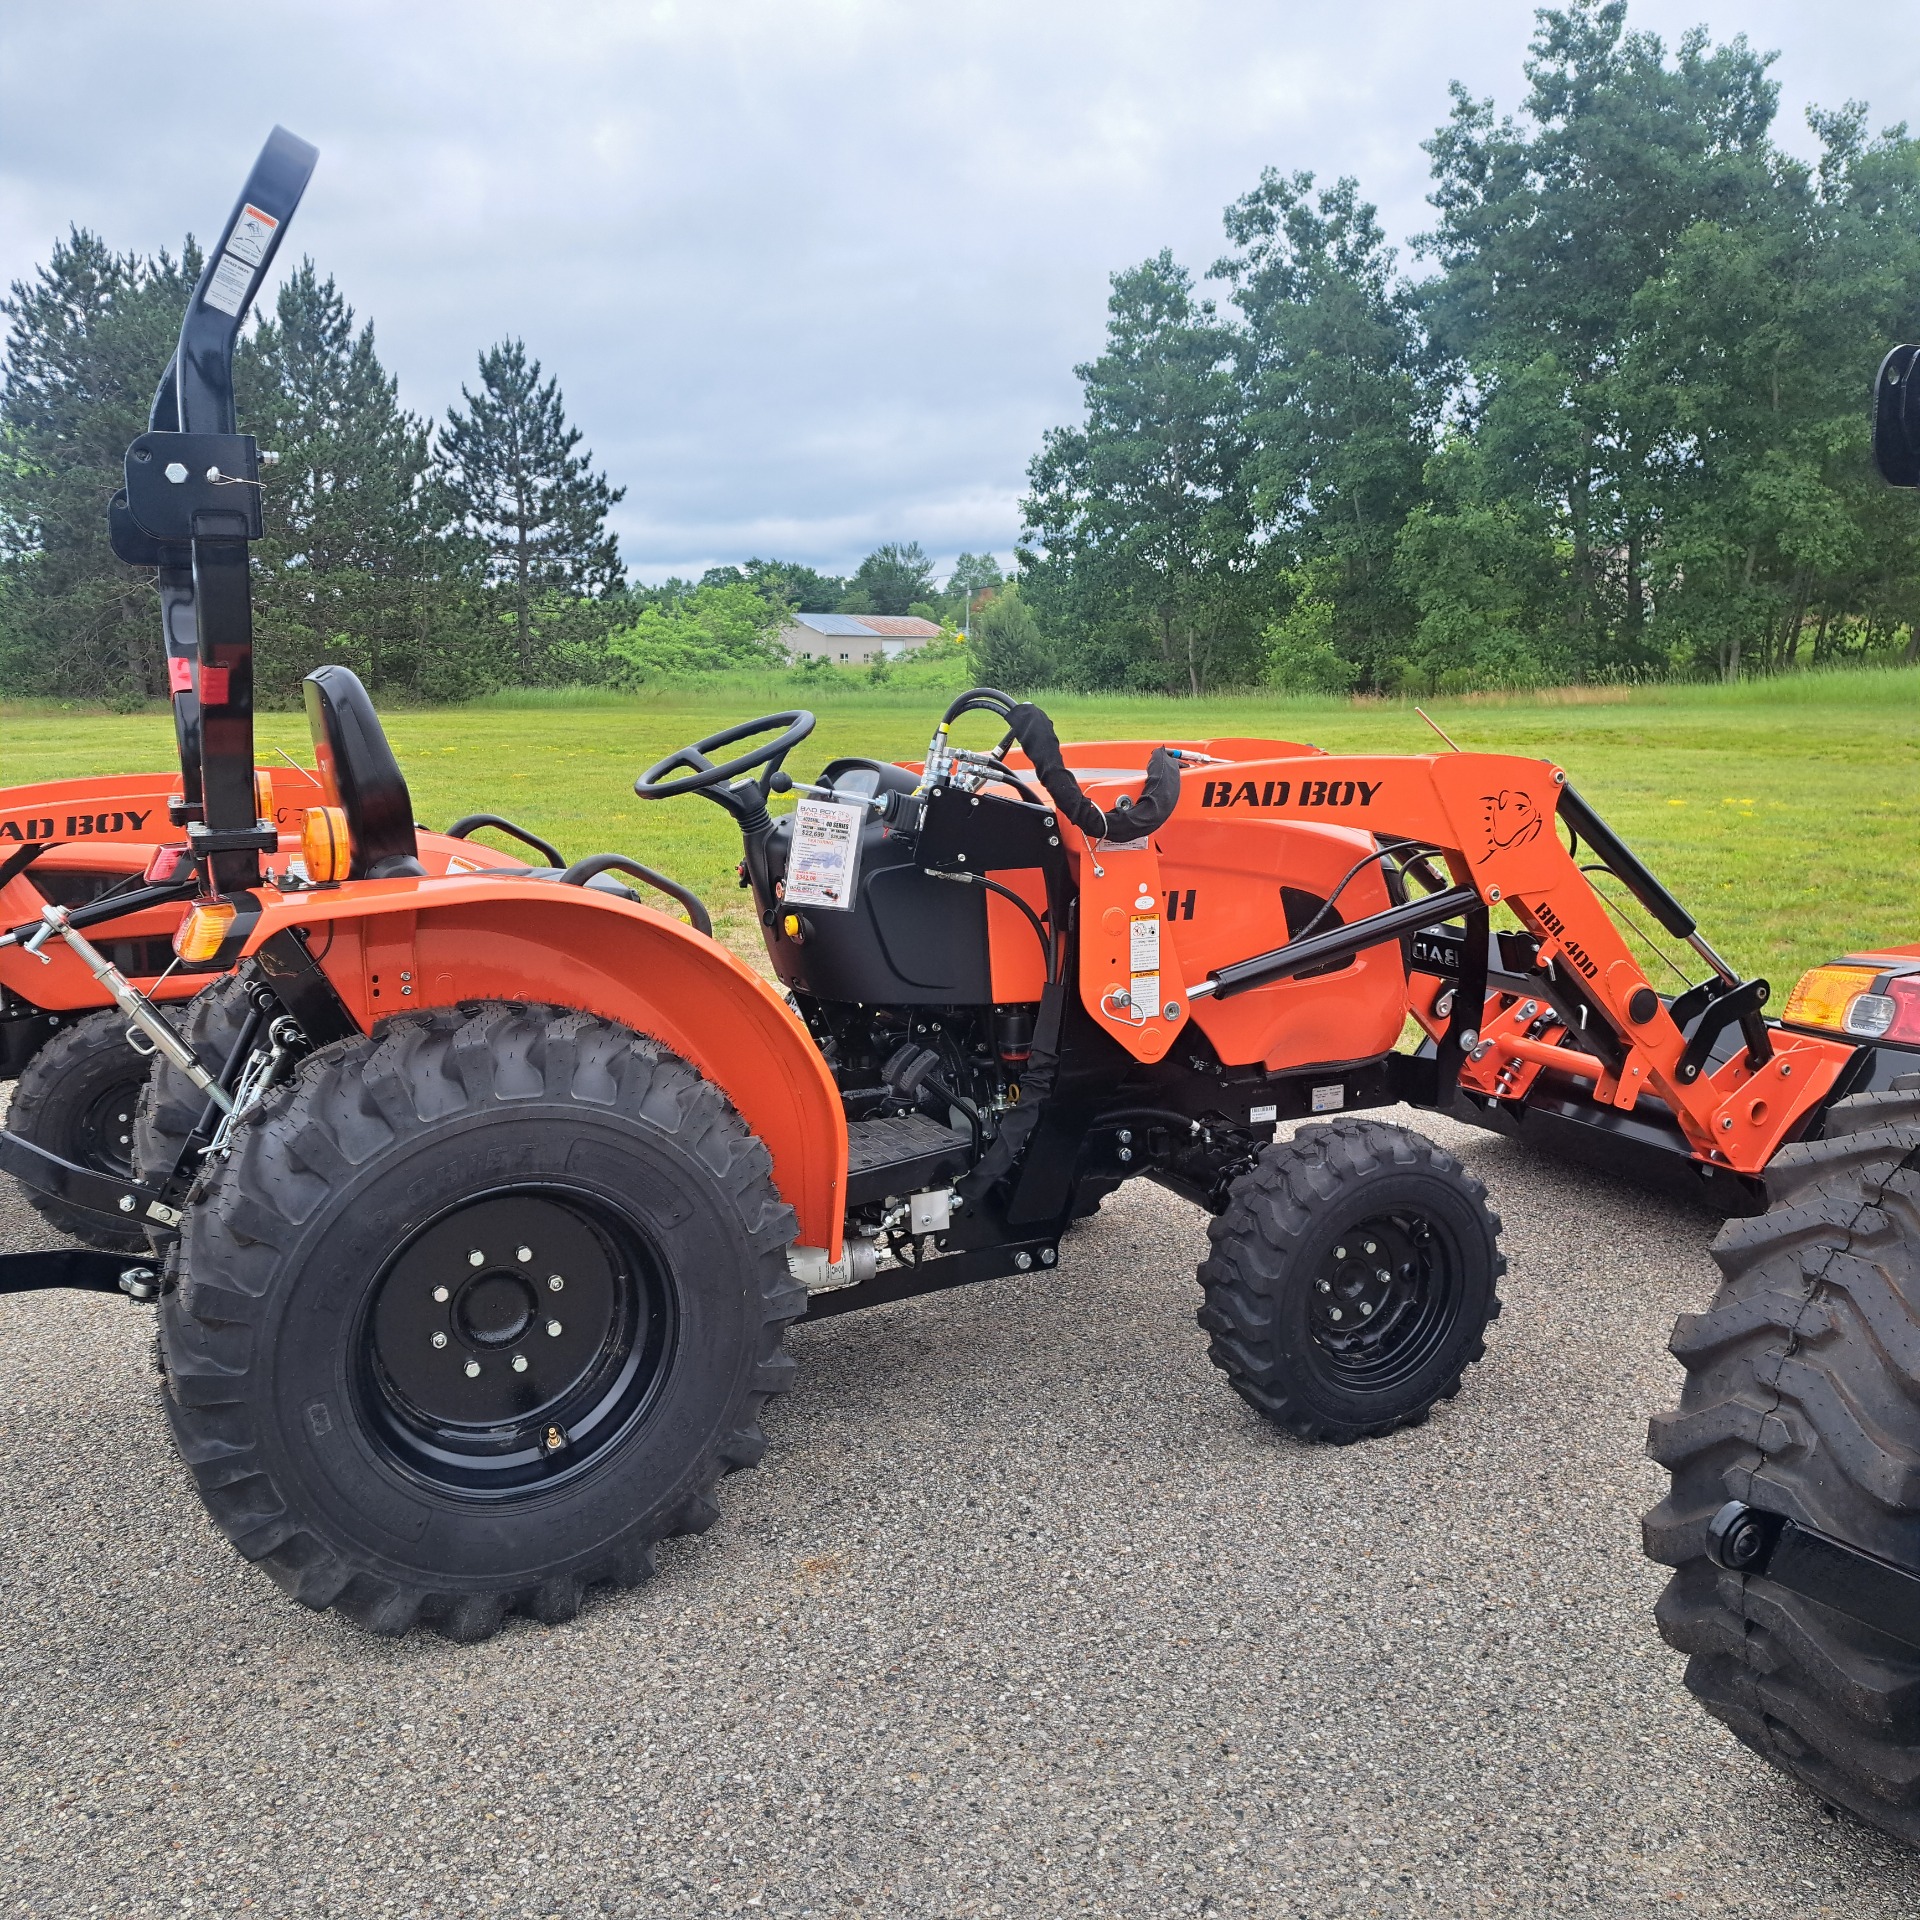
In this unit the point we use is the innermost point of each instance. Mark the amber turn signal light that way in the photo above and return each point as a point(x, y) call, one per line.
point(262, 794)
point(325, 844)
point(200, 934)
point(1823, 995)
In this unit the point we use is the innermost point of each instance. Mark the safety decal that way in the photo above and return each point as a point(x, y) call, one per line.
point(227, 290)
point(1143, 960)
point(252, 234)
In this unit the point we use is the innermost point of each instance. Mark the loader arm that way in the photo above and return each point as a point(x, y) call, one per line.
point(1493, 817)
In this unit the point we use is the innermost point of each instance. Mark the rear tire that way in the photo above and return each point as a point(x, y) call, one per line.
point(405, 1432)
point(1351, 1281)
point(77, 1098)
point(1802, 1398)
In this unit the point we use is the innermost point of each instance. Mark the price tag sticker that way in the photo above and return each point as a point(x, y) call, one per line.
point(824, 865)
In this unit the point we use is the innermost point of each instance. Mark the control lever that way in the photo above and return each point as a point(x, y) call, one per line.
point(784, 782)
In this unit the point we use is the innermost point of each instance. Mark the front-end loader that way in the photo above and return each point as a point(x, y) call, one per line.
point(480, 1203)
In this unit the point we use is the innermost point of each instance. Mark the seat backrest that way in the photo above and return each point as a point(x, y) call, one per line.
point(361, 776)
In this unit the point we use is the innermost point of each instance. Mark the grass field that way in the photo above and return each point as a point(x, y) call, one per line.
point(1784, 813)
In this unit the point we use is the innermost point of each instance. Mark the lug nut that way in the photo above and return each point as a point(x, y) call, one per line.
point(1336, 1314)
point(1325, 1286)
point(1382, 1275)
point(1366, 1309)
point(519, 1363)
point(553, 1329)
point(1339, 1253)
point(473, 1369)
point(524, 1255)
point(554, 1283)
point(440, 1294)
point(439, 1339)
point(476, 1258)
point(1371, 1248)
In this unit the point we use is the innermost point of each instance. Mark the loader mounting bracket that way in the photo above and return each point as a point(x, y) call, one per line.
point(1746, 1540)
point(1713, 1007)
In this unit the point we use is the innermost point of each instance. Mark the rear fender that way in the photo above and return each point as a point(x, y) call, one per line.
point(393, 946)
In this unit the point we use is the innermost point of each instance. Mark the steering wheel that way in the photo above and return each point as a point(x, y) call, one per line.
point(703, 776)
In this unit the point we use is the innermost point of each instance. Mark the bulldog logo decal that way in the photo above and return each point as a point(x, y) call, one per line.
point(1511, 820)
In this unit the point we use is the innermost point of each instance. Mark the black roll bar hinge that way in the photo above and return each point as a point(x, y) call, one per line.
point(183, 487)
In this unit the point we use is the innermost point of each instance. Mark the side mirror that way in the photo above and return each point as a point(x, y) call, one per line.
point(1896, 418)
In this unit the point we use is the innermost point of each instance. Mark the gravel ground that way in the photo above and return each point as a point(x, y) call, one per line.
point(1024, 1614)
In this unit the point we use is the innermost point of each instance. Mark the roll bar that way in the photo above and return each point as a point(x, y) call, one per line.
point(190, 507)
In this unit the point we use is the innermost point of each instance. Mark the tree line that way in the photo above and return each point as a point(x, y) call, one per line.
point(1620, 428)
point(438, 560)
point(1616, 427)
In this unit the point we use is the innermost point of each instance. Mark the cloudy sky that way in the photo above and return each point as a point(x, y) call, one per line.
point(813, 274)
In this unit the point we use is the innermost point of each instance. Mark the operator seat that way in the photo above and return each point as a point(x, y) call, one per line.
point(361, 776)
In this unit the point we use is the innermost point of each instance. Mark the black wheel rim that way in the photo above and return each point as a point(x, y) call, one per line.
point(1384, 1296)
point(104, 1135)
point(480, 1375)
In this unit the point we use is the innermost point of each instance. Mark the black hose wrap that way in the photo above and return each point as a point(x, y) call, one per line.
point(1147, 815)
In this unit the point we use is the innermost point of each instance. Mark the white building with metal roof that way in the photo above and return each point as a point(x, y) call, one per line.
point(855, 639)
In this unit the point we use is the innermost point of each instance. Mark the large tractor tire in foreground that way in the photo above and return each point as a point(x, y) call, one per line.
point(77, 1098)
point(476, 1313)
point(1351, 1281)
point(1802, 1398)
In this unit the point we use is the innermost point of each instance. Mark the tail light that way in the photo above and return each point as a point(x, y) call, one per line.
point(198, 937)
point(325, 845)
point(167, 865)
point(1861, 1002)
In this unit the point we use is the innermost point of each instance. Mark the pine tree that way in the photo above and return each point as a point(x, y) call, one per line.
point(89, 337)
point(534, 508)
point(348, 547)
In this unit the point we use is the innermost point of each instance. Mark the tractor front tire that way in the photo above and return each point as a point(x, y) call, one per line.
point(1352, 1278)
point(77, 1097)
point(1802, 1398)
point(478, 1310)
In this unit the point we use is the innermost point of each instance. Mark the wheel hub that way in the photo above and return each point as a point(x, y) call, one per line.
point(514, 1329)
point(495, 1310)
point(1375, 1290)
point(106, 1132)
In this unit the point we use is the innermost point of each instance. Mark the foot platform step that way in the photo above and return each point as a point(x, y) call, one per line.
point(891, 1158)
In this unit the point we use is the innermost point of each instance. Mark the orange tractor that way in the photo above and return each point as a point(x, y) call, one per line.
point(114, 850)
point(480, 1202)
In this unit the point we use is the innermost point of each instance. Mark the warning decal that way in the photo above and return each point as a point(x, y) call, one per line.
point(1143, 965)
point(227, 290)
point(252, 235)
